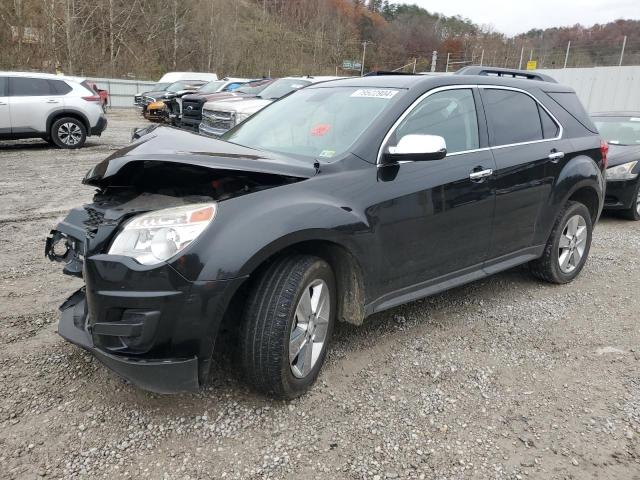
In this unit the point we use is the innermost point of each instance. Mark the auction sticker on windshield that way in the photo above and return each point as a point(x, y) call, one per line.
point(374, 93)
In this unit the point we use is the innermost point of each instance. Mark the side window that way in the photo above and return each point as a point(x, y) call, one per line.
point(450, 114)
point(513, 116)
point(549, 127)
point(29, 87)
point(59, 87)
point(3, 86)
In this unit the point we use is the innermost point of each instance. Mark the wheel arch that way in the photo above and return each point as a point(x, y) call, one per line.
point(68, 112)
point(344, 263)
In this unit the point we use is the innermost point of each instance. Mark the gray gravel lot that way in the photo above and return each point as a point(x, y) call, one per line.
point(505, 378)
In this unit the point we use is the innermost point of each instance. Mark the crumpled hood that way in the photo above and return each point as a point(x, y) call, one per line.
point(619, 154)
point(165, 144)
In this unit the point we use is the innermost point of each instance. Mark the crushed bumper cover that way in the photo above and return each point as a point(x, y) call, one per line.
point(161, 376)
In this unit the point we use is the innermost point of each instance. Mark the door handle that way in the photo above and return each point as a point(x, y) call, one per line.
point(556, 156)
point(53, 101)
point(3, 103)
point(479, 175)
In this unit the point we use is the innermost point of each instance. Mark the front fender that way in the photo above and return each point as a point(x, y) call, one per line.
point(248, 230)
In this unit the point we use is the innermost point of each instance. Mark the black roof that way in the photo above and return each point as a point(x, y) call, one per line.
point(427, 81)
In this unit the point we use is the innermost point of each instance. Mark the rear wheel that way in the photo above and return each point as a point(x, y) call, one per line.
point(568, 246)
point(633, 213)
point(68, 132)
point(287, 325)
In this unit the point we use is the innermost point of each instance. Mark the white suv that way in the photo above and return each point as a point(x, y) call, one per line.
point(61, 110)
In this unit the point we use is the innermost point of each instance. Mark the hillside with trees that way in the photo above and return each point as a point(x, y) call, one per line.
point(144, 38)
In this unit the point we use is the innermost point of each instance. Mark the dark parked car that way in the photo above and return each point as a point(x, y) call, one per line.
point(192, 103)
point(343, 199)
point(622, 132)
point(156, 99)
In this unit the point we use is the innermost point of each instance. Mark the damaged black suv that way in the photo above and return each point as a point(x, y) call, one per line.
point(343, 199)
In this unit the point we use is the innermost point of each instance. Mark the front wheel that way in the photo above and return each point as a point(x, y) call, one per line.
point(287, 325)
point(568, 246)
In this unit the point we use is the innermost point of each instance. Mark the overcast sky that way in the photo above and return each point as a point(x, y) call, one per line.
point(520, 16)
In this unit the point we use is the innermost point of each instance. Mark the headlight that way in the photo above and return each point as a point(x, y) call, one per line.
point(622, 172)
point(154, 237)
point(241, 117)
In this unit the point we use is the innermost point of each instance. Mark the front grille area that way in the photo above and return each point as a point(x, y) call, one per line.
point(94, 220)
point(218, 119)
point(192, 109)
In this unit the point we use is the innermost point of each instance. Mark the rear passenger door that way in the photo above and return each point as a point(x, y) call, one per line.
point(31, 101)
point(5, 117)
point(524, 138)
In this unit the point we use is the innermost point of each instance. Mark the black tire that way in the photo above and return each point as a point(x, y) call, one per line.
point(268, 321)
point(547, 267)
point(66, 124)
point(633, 213)
point(104, 107)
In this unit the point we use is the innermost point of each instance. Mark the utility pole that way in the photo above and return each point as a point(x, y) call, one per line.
point(434, 60)
point(624, 44)
point(566, 57)
point(364, 55)
point(521, 55)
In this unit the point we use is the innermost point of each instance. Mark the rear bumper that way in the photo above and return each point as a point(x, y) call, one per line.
point(621, 194)
point(100, 126)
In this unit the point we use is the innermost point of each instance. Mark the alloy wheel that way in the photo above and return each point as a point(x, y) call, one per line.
point(309, 328)
point(69, 133)
point(572, 244)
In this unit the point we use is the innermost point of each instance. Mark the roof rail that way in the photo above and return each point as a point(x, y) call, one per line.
point(505, 72)
point(377, 73)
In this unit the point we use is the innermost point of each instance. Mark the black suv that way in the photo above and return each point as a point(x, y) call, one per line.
point(346, 198)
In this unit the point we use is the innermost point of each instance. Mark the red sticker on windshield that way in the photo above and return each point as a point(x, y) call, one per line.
point(320, 130)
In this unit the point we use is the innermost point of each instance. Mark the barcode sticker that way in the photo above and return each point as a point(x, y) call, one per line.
point(374, 93)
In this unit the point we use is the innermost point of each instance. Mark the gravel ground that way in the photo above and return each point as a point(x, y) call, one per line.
point(506, 378)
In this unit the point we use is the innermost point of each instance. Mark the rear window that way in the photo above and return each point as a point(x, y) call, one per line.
point(29, 87)
point(570, 102)
point(619, 130)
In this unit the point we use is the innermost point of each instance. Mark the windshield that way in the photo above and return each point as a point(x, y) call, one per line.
point(315, 122)
point(254, 88)
point(281, 87)
point(160, 87)
point(183, 84)
point(619, 130)
point(212, 87)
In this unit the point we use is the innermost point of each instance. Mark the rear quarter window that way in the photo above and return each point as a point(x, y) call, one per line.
point(569, 101)
point(3, 87)
point(60, 87)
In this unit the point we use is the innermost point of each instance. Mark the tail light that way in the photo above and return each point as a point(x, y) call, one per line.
point(92, 98)
point(604, 149)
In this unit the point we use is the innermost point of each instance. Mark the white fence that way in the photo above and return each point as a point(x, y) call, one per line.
point(121, 92)
point(602, 88)
point(599, 88)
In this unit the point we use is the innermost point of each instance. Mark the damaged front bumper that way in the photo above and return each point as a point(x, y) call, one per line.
point(161, 376)
point(148, 324)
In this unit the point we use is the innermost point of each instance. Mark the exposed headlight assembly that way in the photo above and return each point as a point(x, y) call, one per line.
point(241, 117)
point(622, 172)
point(154, 237)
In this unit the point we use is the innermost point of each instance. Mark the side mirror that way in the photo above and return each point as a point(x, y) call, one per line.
point(417, 148)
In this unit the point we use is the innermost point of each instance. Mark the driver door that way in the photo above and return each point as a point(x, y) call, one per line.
point(437, 215)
